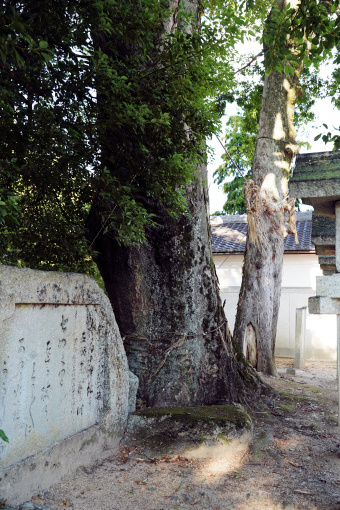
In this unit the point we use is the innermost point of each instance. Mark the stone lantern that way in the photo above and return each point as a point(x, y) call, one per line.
point(316, 180)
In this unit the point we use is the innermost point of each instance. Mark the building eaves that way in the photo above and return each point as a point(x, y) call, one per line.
point(229, 234)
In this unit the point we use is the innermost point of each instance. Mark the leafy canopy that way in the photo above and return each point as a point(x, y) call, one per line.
point(99, 103)
point(287, 35)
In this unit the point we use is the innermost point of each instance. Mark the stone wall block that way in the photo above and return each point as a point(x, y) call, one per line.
point(328, 285)
point(64, 378)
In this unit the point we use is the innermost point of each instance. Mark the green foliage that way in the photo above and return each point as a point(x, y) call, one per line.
point(95, 103)
point(240, 142)
point(45, 135)
point(3, 436)
point(242, 129)
point(293, 37)
point(332, 90)
point(100, 106)
point(330, 137)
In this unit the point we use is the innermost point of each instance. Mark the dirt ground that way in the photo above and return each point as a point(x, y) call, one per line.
point(293, 461)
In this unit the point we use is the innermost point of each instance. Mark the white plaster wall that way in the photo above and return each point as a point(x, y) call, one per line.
point(298, 284)
point(300, 270)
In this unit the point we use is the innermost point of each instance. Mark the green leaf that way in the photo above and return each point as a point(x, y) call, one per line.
point(3, 436)
point(43, 45)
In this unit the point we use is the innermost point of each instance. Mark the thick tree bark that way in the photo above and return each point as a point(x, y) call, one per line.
point(259, 299)
point(166, 302)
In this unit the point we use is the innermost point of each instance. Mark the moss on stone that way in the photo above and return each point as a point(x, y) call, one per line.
point(317, 166)
point(318, 175)
point(323, 226)
point(223, 439)
point(220, 415)
point(163, 430)
point(118, 365)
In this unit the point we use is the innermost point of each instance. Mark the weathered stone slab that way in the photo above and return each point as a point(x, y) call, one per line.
point(64, 380)
point(200, 432)
point(323, 235)
point(316, 180)
point(133, 387)
point(323, 227)
point(337, 236)
point(324, 249)
point(327, 262)
point(300, 337)
point(328, 286)
point(323, 304)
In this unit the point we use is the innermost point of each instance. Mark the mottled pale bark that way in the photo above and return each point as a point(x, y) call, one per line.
point(259, 300)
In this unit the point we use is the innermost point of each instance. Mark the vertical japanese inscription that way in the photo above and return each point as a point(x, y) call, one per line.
point(52, 364)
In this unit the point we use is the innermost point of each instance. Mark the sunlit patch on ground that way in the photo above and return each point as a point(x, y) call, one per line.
point(222, 459)
point(292, 462)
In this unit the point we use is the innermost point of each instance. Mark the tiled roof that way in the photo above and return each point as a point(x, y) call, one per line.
point(229, 234)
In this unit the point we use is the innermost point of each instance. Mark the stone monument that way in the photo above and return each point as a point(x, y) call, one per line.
point(316, 181)
point(65, 386)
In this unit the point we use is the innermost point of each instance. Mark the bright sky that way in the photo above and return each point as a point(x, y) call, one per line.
point(325, 113)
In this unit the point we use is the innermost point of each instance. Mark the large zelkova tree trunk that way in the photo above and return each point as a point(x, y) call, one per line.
point(166, 301)
point(259, 299)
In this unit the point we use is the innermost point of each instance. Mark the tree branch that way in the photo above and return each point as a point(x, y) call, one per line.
point(249, 63)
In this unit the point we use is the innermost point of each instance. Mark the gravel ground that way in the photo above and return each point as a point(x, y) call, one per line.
point(293, 461)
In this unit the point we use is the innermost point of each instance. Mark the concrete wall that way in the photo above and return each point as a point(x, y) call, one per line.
point(64, 379)
point(298, 284)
